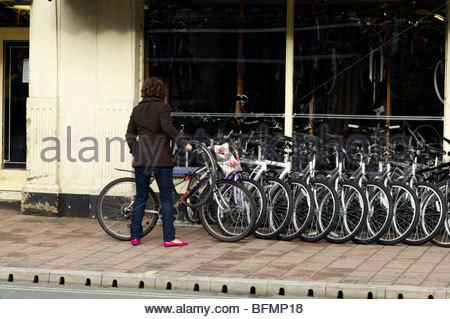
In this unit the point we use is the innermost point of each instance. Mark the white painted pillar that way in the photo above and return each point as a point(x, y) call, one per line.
point(85, 72)
point(42, 106)
point(289, 81)
point(119, 65)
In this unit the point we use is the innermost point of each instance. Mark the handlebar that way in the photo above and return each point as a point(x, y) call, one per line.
point(391, 127)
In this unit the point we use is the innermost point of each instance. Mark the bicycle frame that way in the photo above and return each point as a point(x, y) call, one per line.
point(263, 166)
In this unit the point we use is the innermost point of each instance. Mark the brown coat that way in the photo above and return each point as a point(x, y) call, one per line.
point(149, 132)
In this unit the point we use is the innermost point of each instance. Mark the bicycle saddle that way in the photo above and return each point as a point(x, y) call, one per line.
point(180, 171)
point(436, 151)
point(282, 140)
point(332, 145)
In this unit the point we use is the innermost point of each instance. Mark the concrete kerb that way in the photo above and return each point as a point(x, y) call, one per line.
point(239, 286)
point(354, 291)
point(440, 293)
point(151, 280)
point(24, 274)
point(410, 292)
point(297, 289)
point(166, 282)
point(73, 277)
point(124, 280)
point(192, 283)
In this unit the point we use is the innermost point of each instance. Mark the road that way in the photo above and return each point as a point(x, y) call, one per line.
point(46, 291)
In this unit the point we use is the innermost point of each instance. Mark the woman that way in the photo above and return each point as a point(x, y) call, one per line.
point(150, 120)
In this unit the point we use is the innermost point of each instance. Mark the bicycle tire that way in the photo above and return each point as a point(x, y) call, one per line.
point(279, 208)
point(205, 175)
point(114, 208)
point(433, 211)
point(425, 54)
point(379, 215)
point(303, 210)
point(326, 209)
point(406, 214)
point(192, 212)
point(439, 65)
point(442, 238)
point(220, 223)
point(427, 135)
point(352, 213)
point(260, 198)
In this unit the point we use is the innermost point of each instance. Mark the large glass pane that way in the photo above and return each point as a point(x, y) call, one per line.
point(15, 13)
point(15, 93)
point(351, 55)
point(208, 52)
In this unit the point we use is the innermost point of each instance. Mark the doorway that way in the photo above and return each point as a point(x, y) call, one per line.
point(15, 93)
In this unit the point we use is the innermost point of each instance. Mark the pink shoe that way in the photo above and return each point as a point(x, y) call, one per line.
point(171, 244)
point(135, 242)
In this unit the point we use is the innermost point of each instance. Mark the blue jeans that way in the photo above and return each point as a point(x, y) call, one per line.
point(164, 178)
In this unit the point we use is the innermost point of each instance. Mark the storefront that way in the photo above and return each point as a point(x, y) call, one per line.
point(330, 62)
point(297, 62)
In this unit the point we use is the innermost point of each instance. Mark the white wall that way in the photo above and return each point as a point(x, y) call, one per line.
point(84, 73)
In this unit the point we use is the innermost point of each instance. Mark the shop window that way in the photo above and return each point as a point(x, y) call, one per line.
point(351, 56)
point(15, 13)
point(354, 61)
point(208, 52)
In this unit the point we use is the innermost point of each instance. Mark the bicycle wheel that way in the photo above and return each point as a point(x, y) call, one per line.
point(192, 214)
point(200, 170)
point(260, 199)
point(425, 45)
point(230, 213)
point(115, 205)
point(442, 238)
point(438, 76)
point(426, 135)
point(352, 213)
point(406, 214)
point(379, 215)
point(433, 211)
point(325, 211)
point(279, 208)
point(303, 210)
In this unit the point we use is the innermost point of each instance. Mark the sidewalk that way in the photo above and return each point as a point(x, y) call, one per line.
point(74, 246)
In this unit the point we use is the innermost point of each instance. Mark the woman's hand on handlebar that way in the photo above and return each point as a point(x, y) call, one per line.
point(188, 147)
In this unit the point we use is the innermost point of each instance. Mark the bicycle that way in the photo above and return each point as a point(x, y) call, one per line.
point(325, 203)
point(433, 207)
point(115, 202)
point(353, 208)
point(380, 203)
point(226, 152)
point(440, 175)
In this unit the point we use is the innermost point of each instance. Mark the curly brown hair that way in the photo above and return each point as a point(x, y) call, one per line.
point(153, 87)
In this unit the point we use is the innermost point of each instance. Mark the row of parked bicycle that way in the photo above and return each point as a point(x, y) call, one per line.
point(234, 190)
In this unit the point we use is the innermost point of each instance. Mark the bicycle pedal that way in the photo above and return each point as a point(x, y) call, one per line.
point(313, 233)
point(333, 234)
